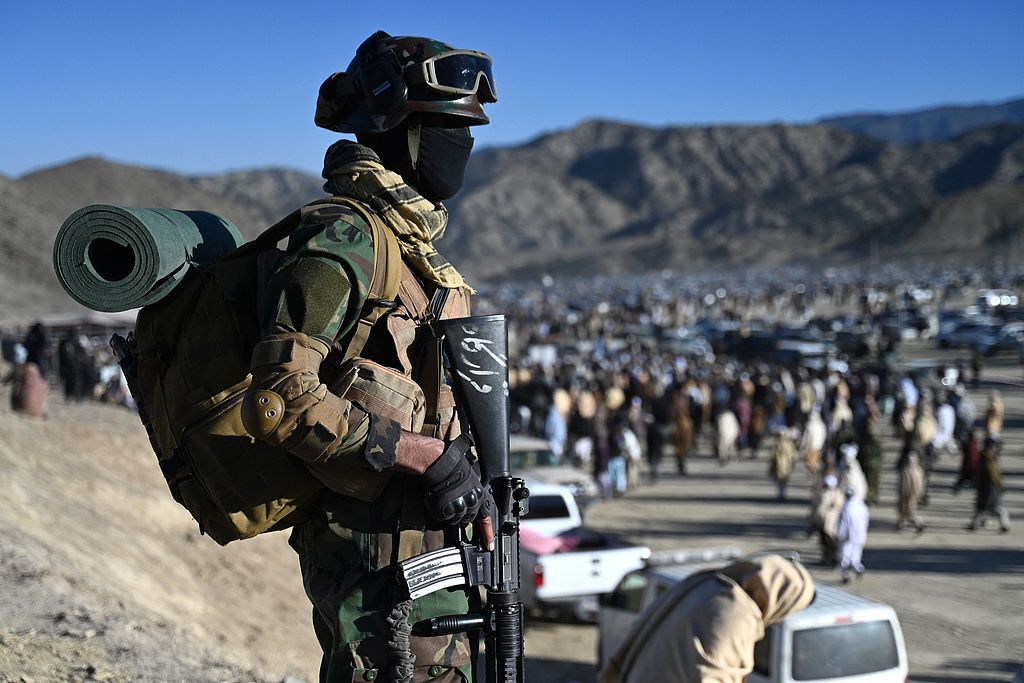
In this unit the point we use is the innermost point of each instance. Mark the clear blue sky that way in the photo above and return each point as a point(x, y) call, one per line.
point(202, 87)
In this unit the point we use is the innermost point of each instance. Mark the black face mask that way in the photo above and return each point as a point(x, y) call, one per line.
point(441, 161)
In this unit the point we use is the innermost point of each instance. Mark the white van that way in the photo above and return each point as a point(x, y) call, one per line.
point(839, 638)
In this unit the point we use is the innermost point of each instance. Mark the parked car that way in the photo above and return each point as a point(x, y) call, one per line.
point(966, 334)
point(552, 509)
point(840, 636)
point(1007, 338)
point(532, 458)
point(564, 569)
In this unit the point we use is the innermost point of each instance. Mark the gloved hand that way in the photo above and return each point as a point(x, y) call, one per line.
point(455, 494)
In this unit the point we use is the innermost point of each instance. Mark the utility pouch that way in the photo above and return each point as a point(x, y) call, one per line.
point(385, 393)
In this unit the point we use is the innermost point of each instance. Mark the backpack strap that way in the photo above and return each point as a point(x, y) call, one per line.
point(387, 277)
point(387, 263)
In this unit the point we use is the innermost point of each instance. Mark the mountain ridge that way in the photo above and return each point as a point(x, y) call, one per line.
point(604, 197)
point(929, 124)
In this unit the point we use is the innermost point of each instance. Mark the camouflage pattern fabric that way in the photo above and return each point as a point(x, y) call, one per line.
point(346, 555)
point(321, 284)
point(348, 548)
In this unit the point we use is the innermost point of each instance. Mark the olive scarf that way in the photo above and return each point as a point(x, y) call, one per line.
point(353, 170)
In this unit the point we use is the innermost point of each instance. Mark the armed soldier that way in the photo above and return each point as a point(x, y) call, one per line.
point(400, 480)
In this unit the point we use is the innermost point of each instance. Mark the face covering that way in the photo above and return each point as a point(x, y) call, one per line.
point(440, 161)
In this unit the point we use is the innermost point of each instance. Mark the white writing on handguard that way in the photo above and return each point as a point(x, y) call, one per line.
point(478, 345)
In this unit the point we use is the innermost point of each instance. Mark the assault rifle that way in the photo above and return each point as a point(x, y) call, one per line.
point(476, 355)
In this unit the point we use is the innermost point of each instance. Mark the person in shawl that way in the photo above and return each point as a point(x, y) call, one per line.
point(852, 534)
point(705, 627)
point(850, 474)
point(780, 466)
point(988, 487)
point(911, 489)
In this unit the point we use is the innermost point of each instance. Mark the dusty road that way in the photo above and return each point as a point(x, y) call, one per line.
point(959, 595)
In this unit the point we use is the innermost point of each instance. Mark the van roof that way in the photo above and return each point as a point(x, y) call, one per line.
point(828, 600)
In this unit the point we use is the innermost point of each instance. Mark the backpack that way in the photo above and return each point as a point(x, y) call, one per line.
point(187, 366)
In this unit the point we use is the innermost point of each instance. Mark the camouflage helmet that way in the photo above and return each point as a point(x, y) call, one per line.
point(391, 78)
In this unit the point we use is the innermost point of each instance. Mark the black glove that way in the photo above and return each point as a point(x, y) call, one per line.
point(455, 495)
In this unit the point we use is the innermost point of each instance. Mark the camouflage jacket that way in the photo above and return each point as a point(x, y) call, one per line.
point(318, 291)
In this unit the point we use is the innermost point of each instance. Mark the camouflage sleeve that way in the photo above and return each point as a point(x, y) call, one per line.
point(317, 291)
point(321, 284)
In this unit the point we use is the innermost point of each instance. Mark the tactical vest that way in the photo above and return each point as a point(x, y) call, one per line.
point(378, 519)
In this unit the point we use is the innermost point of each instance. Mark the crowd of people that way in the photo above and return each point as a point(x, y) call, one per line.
point(601, 373)
point(600, 382)
point(82, 367)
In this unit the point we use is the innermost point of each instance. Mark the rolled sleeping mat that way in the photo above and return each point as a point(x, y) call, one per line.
point(113, 258)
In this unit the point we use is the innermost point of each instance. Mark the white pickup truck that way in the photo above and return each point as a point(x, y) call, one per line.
point(564, 567)
point(840, 637)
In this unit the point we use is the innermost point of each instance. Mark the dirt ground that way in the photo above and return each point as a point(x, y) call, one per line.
point(103, 577)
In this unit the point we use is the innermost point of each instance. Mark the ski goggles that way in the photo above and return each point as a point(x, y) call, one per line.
point(458, 72)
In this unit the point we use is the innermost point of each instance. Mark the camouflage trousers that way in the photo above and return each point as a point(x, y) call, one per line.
point(350, 578)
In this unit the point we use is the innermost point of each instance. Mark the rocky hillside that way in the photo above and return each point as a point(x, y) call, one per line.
point(105, 578)
point(33, 207)
point(611, 197)
point(606, 197)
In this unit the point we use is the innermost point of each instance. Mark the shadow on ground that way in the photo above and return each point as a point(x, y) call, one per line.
point(775, 527)
point(945, 560)
point(555, 670)
point(981, 671)
point(767, 499)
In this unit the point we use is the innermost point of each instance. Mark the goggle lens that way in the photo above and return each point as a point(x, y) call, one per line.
point(459, 72)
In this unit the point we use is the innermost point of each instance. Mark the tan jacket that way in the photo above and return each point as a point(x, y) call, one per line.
point(704, 629)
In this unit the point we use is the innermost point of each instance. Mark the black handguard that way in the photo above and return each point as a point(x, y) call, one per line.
point(476, 353)
point(455, 494)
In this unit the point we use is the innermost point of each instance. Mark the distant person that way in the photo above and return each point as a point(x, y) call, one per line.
point(975, 367)
point(727, 434)
point(657, 405)
point(783, 456)
point(911, 490)
point(35, 345)
point(556, 431)
point(705, 627)
point(869, 449)
point(69, 355)
point(29, 391)
point(966, 413)
point(852, 534)
point(944, 440)
point(994, 414)
point(742, 409)
point(851, 474)
point(969, 462)
point(813, 443)
point(684, 434)
point(988, 487)
point(825, 512)
point(617, 455)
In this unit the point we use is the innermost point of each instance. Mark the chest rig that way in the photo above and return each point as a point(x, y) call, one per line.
point(378, 518)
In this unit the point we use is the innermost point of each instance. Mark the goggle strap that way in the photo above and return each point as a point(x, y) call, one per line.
point(414, 74)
